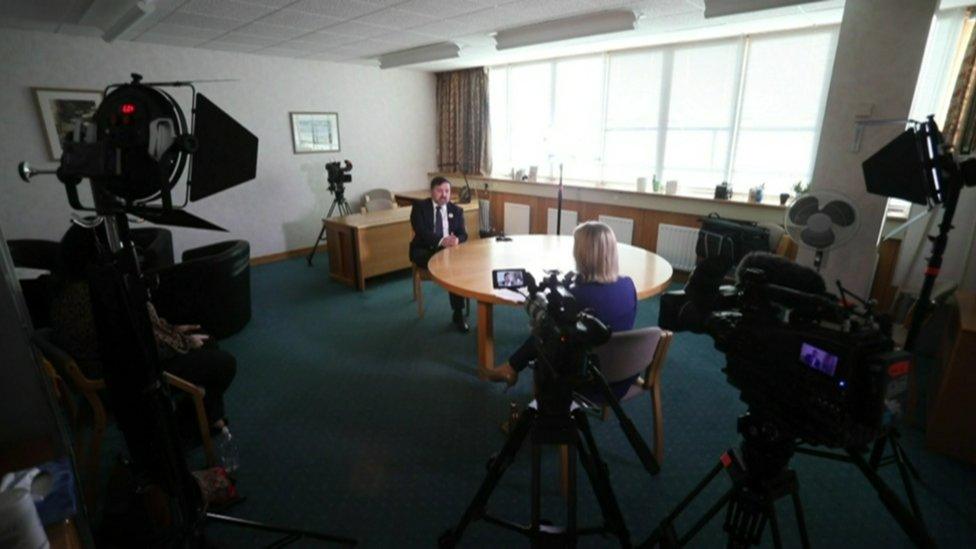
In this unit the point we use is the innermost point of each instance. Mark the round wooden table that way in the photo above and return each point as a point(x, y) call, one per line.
point(466, 270)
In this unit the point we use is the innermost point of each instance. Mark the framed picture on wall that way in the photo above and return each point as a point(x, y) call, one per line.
point(315, 132)
point(59, 108)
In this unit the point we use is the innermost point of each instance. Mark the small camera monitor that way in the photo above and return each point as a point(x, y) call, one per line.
point(511, 279)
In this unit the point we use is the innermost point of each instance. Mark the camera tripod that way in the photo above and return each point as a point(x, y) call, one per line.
point(555, 419)
point(760, 476)
point(338, 203)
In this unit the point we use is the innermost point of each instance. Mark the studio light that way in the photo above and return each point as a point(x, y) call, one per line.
point(577, 26)
point(127, 20)
point(423, 54)
point(720, 8)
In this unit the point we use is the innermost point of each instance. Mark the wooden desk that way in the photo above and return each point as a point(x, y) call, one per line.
point(466, 270)
point(951, 425)
point(369, 244)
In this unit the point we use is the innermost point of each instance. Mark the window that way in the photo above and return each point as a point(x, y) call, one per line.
point(746, 110)
point(784, 89)
point(700, 114)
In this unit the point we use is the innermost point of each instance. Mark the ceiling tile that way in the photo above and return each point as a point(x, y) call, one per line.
point(229, 46)
point(331, 38)
point(270, 3)
point(38, 10)
point(405, 39)
point(80, 30)
point(168, 39)
point(306, 45)
point(450, 28)
point(396, 19)
point(359, 30)
point(227, 9)
point(658, 8)
point(440, 8)
point(271, 31)
point(344, 9)
point(300, 19)
point(201, 21)
point(248, 39)
point(182, 30)
point(326, 56)
point(280, 52)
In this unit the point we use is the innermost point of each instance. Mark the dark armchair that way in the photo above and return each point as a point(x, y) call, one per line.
point(210, 287)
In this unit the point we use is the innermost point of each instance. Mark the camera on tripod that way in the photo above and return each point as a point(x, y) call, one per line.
point(338, 176)
point(824, 372)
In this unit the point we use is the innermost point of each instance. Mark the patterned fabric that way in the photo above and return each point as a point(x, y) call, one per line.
point(960, 125)
point(462, 121)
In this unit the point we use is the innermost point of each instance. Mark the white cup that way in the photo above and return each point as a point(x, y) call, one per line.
point(671, 187)
point(642, 184)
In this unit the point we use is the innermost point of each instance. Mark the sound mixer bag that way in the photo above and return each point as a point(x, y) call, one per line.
point(730, 238)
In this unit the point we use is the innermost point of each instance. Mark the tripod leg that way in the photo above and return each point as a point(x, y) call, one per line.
point(497, 468)
point(801, 523)
point(536, 494)
point(596, 471)
point(316, 245)
point(913, 527)
point(770, 512)
point(903, 470)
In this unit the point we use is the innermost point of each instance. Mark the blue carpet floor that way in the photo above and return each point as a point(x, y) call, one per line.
point(356, 417)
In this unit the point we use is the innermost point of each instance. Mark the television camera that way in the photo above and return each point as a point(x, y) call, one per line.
point(567, 377)
point(337, 175)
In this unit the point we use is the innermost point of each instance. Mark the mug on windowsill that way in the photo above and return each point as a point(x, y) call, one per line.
point(642, 184)
point(671, 187)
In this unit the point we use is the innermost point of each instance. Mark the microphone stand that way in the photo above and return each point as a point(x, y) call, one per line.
point(559, 203)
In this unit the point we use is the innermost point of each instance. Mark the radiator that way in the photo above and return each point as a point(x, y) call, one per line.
point(567, 224)
point(517, 218)
point(623, 227)
point(676, 244)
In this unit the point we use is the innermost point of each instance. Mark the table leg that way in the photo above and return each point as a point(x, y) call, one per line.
point(486, 337)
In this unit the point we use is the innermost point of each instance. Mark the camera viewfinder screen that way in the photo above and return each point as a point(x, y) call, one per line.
point(509, 278)
point(818, 359)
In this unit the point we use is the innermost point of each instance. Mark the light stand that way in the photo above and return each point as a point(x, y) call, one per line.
point(559, 203)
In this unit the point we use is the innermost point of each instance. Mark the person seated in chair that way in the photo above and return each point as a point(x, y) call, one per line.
point(599, 287)
point(182, 352)
point(438, 224)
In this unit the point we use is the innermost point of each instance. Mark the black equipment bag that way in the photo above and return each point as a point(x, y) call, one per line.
point(730, 238)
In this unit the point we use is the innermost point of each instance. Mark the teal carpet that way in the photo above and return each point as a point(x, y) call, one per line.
point(355, 417)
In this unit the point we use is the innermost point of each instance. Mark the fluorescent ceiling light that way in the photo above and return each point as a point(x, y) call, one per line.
point(423, 54)
point(577, 26)
point(719, 8)
point(127, 20)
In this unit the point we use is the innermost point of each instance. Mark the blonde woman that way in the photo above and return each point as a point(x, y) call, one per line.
point(599, 287)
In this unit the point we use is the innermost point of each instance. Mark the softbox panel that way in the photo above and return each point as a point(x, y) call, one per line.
point(898, 169)
point(227, 153)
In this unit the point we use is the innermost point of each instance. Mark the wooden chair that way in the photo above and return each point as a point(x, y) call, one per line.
point(419, 275)
point(83, 388)
point(378, 204)
point(638, 352)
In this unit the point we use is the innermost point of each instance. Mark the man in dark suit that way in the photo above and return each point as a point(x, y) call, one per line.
point(438, 224)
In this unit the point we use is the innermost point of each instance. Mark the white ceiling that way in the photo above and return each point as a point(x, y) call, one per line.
point(358, 31)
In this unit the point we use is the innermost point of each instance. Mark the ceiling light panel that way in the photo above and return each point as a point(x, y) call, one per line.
point(579, 26)
point(423, 54)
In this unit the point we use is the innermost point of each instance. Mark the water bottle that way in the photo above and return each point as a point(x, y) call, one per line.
point(227, 450)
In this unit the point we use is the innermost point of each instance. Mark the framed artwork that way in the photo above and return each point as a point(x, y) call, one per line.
point(59, 108)
point(315, 132)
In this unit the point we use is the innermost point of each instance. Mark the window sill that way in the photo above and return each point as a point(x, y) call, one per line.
point(626, 188)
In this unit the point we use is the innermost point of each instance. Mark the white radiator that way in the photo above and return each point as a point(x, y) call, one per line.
point(623, 227)
point(567, 224)
point(517, 218)
point(676, 244)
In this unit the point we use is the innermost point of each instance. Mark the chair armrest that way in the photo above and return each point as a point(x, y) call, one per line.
point(184, 385)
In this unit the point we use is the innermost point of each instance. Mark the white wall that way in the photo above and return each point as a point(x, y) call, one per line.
point(876, 65)
point(386, 123)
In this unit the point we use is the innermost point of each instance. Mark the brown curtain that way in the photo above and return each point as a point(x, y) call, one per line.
point(960, 123)
point(463, 129)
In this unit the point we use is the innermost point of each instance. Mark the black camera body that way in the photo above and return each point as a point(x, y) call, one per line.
point(338, 175)
point(822, 371)
point(565, 335)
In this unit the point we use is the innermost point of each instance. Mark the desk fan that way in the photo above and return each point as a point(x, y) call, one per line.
point(822, 221)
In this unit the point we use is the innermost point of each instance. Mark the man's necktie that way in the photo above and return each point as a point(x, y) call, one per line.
point(438, 223)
